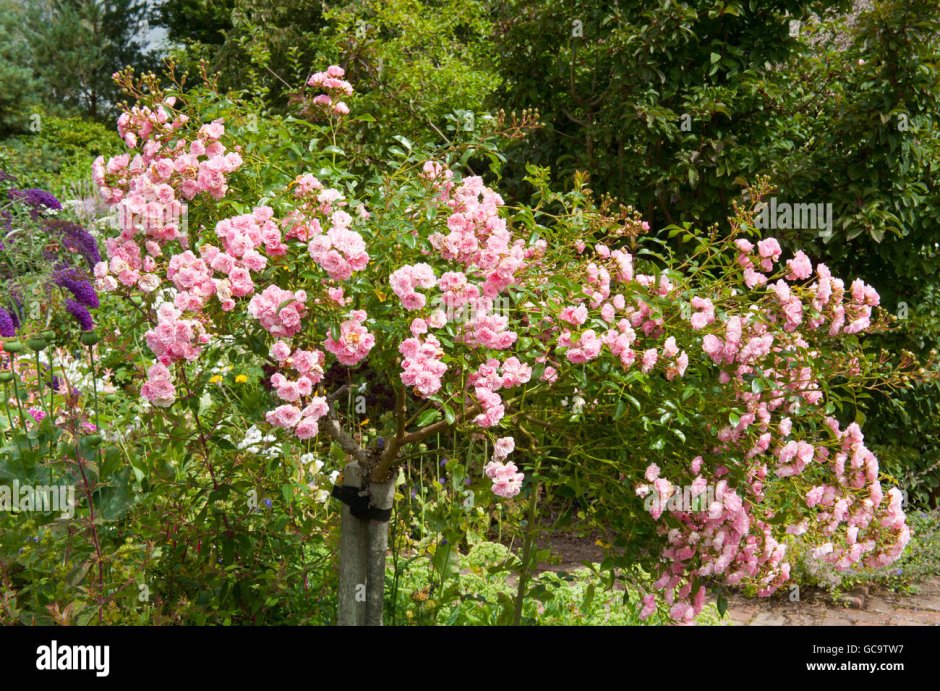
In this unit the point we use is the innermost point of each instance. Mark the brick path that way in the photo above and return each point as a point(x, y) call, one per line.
point(860, 607)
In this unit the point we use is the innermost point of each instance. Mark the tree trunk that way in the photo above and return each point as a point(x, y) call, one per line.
point(362, 555)
point(383, 495)
point(353, 558)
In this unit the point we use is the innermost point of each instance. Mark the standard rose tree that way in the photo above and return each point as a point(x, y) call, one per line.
point(488, 321)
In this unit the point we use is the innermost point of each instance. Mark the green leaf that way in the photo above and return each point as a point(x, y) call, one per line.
point(621, 409)
point(428, 417)
point(449, 415)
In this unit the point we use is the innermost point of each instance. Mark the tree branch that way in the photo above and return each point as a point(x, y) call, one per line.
point(334, 431)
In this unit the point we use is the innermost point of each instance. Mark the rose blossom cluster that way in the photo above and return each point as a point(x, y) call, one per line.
point(827, 295)
point(623, 318)
point(406, 280)
point(422, 367)
point(846, 312)
point(194, 277)
point(148, 190)
point(301, 410)
point(279, 311)
point(479, 238)
point(354, 342)
point(490, 377)
point(340, 251)
point(703, 312)
point(159, 388)
point(334, 88)
point(304, 422)
point(767, 255)
point(721, 539)
point(507, 480)
point(853, 522)
point(174, 338)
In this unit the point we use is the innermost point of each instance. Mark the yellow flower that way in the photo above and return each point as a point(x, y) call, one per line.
point(241, 379)
point(216, 379)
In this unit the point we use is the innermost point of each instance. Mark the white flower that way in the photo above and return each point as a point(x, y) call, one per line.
point(257, 443)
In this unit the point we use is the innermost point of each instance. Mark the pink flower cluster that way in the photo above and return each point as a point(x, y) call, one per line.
point(422, 367)
point(354, 342)
point(407, 279)
point(768, 253)
point(507, 480)
point(721, 539)
point(149, 189)
point(334, 87)
point(829, 301)
point(704, 312)
point(340, 251)
point(304, 422)
point(492, 376)
point(159, 388)
point(294, 415)
point(589, 346)
point(488, 330)
point(479, 238)
point(173, 338)
point(279, 311)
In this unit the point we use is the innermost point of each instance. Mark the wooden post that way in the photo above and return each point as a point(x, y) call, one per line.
point(353, 558)
point(383, 496)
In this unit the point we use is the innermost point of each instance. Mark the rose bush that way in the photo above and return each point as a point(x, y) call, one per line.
point(690, 405)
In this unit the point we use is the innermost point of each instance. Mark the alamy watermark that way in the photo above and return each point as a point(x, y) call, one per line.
point(686, 499)
point(152, 218)
point(774, 215)
point(38, 498)
point(473, 309)
point(62, 656)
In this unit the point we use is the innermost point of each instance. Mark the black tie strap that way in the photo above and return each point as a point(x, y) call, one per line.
point(360, 504)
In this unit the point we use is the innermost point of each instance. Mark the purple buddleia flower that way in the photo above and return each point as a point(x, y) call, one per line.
point(18, 307)
point(81, 314)
point(35, 198)
point(73, 281)
point(7, 329)
point(76, 239)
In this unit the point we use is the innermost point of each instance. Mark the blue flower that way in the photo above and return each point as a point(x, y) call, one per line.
point(7, 326)
point(73, 281)
point(36, 199)
point(81, 314)
point(76, 239)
